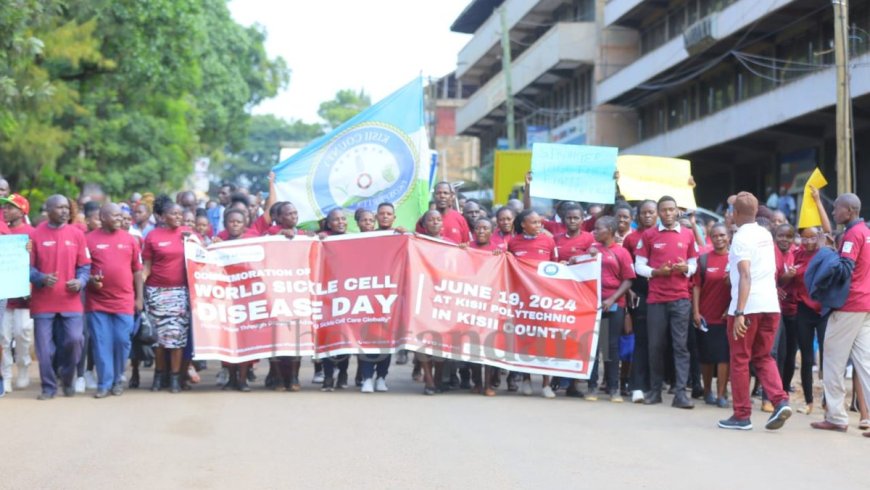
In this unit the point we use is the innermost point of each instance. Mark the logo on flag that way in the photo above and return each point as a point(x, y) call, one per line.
point(380, 155)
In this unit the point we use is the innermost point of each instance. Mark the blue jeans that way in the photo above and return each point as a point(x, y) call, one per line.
point(368, 363)
point(111, 334)
point(68, 348)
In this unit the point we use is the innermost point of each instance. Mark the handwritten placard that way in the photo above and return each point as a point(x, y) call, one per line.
point(14, 266)
point(574, 172)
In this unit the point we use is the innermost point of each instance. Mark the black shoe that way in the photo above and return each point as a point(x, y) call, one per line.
point(134, 380)
point(157, 384)
point(402, 357)
point(252, 376)
point(244, 388)
point(652, 398)
point(342, 380)
point(328, 385)
point(69, 391)
point(465, 384)
point(428, 391)
point(512, 383)
point(573, 392)
point(45, 396)
point(782, 412)
point(101, 394)
point(148, 363)
point(697, 392)
point(174, 383)
point(682, 401)
point(118, 389)
point(735, 424)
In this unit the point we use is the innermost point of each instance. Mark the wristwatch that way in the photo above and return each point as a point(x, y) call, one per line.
point(738, 313)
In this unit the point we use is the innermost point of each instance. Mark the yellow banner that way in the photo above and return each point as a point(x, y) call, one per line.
point(643, 177)
point(509, 172)
point(809, 211)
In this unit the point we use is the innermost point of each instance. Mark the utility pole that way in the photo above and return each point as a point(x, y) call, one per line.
point(506, 71)
point(844, 97)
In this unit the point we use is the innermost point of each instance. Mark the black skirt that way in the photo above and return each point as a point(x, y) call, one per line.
point(713, 345)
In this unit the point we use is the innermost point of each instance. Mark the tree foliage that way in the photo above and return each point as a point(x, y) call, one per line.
point(344, 106)
point(250, 166)
point(125, 93)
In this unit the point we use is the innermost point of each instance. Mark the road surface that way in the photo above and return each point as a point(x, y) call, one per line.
point(213, 439)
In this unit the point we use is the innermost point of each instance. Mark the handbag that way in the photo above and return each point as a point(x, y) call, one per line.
point(147, 331)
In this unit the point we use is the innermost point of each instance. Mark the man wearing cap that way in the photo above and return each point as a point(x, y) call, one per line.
point(59, 269)
point(114, 291)
point(16, 322)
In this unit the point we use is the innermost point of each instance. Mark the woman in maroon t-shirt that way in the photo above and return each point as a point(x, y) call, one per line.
point(334, 224)
point(788, 344)
point(617, 274)
point(504, 231)
point(234, 226)
point(365, 220)
point(532, 245)
point(432, 366)
point(711, 295)
point(810, 323)
point(167, 302)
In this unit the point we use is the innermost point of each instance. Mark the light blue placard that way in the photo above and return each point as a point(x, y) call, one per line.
point(574, 172)
point(14, 267)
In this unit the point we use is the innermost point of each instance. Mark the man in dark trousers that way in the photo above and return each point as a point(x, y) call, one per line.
point(59, 269)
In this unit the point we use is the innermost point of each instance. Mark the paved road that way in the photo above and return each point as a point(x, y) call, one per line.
point(213, 439)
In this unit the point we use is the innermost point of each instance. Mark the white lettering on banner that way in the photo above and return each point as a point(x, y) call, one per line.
point(363, 283)
point(302, 286)
point(362, 304)
point(229, 292)
point(537, 331)
point(464, 288)
point(259, 310)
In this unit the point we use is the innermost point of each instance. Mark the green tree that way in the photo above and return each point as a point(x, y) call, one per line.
point(251, 166)
point(124, 93)
point(344, 106)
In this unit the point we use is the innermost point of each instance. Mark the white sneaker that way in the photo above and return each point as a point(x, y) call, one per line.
point(23, 379)
point(7, 384)
point(637, 396)
point(368, 386)
point(526, 387)
point(90, 380)
point(80, 384)
point(318, 378)
point(223, 377)
point(381, 385)
point(548, 392)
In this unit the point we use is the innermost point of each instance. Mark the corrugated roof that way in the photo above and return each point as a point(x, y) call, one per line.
point(474, 15)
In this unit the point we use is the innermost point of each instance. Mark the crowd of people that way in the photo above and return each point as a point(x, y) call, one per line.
point(703, 301)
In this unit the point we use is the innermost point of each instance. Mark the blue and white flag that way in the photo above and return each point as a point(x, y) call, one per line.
point(379, 155)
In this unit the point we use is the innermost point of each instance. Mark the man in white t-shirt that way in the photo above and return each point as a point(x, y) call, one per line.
point(753, 317)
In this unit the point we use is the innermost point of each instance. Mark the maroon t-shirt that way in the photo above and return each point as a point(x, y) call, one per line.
point(616, 266)
point(537, 249)
point(501, 240)
point(856, 246)
point(802, 259)
point(117, 257)
point(165, 249)
point(491, 246)
point(568, 247)
point(715, 289)
point(660, 247)
point(57, 250)
point(787, 300)
point(554, 227)
point(260, 226)
point(454, 228)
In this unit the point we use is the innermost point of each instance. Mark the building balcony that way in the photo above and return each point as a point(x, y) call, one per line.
point(566, 46)
point(721, 25)
point(484, 48)
point(795, 99)
point(615, 10)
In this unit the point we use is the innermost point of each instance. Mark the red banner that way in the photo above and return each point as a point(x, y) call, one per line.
point(380, 292)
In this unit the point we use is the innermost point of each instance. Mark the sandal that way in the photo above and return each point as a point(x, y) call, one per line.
point(864, 424)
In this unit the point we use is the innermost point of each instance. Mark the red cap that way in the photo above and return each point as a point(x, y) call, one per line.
point(18, 201)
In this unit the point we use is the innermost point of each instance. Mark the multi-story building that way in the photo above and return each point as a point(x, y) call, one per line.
point(458, 155)
point(745, 89)
point(556, 49)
